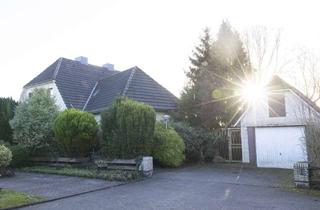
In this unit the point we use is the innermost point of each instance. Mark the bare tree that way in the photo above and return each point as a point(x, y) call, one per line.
point(265, 52)
point(308, 75)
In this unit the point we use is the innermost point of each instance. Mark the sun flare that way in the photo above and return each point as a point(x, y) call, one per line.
point(252, 92)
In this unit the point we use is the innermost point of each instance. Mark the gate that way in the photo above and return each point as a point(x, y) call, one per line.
point(230, 147)
point(235, 149)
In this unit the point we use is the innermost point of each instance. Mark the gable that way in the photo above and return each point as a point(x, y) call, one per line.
point(297, 107)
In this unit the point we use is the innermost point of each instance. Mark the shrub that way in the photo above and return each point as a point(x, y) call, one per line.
point(128, 128)
point(200, 143)
point(5, 156)
point(7, 106)
point(168, 146)
point(20, 155)
point(75, 132)
point(33, 120)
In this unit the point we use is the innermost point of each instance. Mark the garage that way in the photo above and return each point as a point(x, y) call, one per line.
point(280, 147)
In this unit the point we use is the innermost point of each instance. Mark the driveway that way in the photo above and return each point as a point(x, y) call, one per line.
point(198, 187)
point(53, 186)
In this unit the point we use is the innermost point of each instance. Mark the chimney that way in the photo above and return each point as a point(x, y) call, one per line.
point(82, 60)
point(109, 66)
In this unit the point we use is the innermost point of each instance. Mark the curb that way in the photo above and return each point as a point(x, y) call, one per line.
point(74, 195)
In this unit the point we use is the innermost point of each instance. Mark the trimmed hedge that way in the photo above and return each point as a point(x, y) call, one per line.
point(75, 132)
point(128, 128)
point(20, 155)
point(168, 146)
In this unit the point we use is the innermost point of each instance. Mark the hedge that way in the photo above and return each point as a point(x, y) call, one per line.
point(128, 128)
point(168, 146)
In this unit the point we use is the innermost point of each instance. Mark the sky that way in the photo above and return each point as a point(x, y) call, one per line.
point(157, 36)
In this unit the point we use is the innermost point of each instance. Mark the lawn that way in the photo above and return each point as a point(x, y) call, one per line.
point(10, 198)
point(110, 175)
point(288, 185)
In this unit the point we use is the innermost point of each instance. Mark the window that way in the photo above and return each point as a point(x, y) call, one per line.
point(30, 94)
point(277, 105)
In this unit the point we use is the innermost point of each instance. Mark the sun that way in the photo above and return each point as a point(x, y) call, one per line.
point(252, 92)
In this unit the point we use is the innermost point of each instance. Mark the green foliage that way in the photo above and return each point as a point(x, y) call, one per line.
point(110, 175)
point(10, 198)
point(200, 143)
point(209, 100)
point(75, 132)
point(7, 107)
point(5, 156)
point(20, 155)
point(168, 146)
point(128, 128)
point(33, 120)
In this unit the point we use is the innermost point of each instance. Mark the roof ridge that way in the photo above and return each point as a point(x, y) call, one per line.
point(55, 73)
point(93, 89)
point(129, 81)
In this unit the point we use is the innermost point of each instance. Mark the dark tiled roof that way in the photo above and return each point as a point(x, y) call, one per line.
point(107, 90)
point(144, 89)
point(134, 84)
point(75, 81)
point(45, 76)
point(94, 88)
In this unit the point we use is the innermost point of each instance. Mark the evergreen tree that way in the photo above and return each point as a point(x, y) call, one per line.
point(217, 68)
point(190, 96)
point(7, 107)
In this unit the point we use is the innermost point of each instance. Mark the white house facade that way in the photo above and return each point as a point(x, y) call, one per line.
point(273, 130)
point(54, 92)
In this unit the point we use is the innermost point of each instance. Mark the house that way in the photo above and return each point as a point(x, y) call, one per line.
point(77, 84)
point(272, 132)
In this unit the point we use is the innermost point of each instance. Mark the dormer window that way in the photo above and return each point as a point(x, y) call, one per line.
point(277, 105)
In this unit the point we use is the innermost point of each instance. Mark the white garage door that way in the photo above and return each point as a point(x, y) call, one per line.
point(280, 147)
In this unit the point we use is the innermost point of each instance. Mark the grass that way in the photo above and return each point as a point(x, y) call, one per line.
point(110, 175)
point(10, 198)
point(288, 185)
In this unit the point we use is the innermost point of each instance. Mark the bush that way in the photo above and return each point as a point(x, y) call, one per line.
point(75, 132)
point(7, 106)
point(20, 155)
point(168, 146)
point(128, 128)
point(33, 120)
point(200, 143)
point(5, 156)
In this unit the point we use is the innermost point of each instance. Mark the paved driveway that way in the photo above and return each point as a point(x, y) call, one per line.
point(53, 186)
point(201, 187)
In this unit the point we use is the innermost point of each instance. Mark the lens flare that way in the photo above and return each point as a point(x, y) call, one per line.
point(252, 92)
